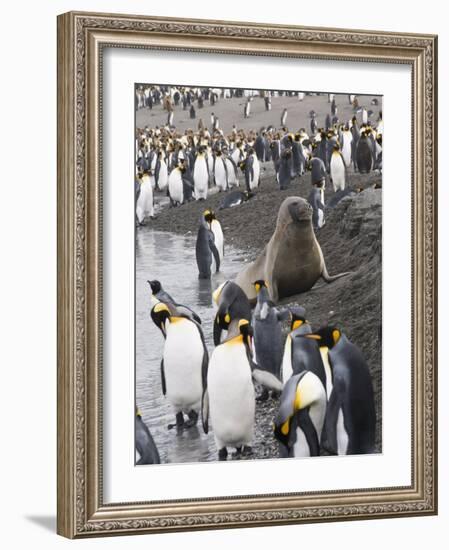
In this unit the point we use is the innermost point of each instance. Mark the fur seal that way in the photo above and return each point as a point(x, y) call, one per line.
point(292, 261)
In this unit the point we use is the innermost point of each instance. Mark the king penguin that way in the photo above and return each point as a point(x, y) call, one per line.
point(220, 171)
point(176, 186)
point(299, 421)
point(161, 172)
point(252, 170)
point(175, 308)
point(184, 364)
point(350, 418)
point(337, 170)
point(201, 175)
point(144, 205)
point(215, 226)
point(268, 339)
point(364, 154)
point(346, 149)
point(230, 397)
point(207, 255)
point(284, 117)
point(232, 304)
point(300, 353)
point(284, 169)
point(146, 450)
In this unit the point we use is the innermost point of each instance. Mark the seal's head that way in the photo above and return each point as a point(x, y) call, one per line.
point(295, 210)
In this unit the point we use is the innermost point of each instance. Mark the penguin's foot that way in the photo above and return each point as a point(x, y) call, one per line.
point(238, 453)
point(247, 450)
point(193, 420)
point(223, 454)
point(179, 422)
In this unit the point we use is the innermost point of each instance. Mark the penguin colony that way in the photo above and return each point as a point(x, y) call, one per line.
point(319, 377)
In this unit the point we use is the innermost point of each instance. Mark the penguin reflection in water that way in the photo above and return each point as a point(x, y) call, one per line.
point(207, 254)
point(350, 418)
point(184, 364)
point(230, 396)
point(146, 450)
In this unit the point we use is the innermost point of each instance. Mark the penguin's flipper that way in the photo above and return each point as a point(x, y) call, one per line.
point(329, 433)
point(163, 383)
point(226, 174)
point(287, 404)
point(217, 331)
point(205, 411)
point(156, 172)
point(267, 380)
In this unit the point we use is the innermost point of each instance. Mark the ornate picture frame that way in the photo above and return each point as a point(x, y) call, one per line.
point(81, 40)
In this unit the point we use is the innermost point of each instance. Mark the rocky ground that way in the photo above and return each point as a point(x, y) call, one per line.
point(350, 240)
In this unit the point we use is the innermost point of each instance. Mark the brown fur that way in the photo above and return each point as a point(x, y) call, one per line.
point(292, 261)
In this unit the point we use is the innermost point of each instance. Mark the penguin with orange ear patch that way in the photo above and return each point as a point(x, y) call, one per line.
point(232, 305)
point(299, 422)
point(230, 397)
point(350, 424)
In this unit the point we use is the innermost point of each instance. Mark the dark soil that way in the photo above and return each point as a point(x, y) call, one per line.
point(351, 241)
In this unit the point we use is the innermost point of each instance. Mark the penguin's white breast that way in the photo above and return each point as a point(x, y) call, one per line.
point(218, 234)
point(231, 394)
point(183, 355)
point(300, 447)
point(200, 175)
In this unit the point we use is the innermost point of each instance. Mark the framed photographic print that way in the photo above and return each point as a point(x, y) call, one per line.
point(246, 274)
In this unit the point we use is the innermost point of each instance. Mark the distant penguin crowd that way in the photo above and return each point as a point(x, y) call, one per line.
point(318, 379)
point(194, 163)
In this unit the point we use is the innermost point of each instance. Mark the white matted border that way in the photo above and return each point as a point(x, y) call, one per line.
point(122, 481)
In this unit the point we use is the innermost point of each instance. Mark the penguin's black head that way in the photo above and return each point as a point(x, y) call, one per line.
point(298, 317)
point(155, 286)
point(260, 284)
point(246, 330)
point(160, 313)
point(326, 336)
point(209, 215)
